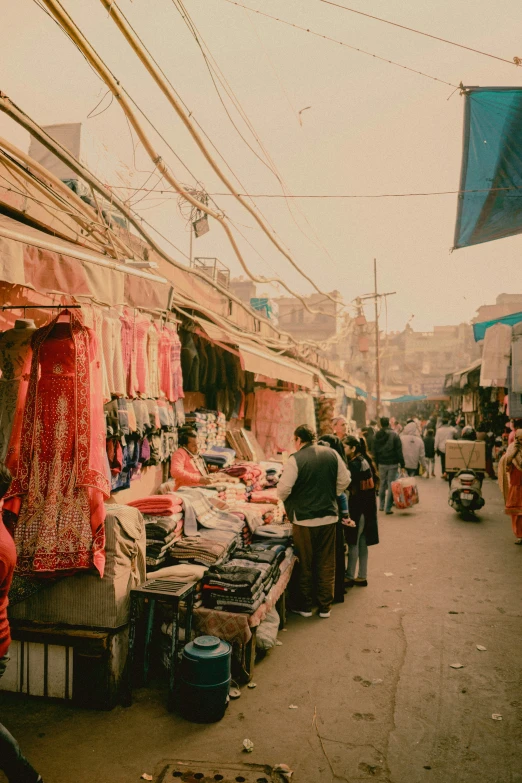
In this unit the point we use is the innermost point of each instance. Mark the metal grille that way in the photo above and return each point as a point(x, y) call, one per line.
point(207, 772)
point(166, 587)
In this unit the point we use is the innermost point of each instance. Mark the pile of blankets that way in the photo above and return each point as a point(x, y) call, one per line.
point(208, 548)
point(241, 584)
point(219, 456)
point(163, 516)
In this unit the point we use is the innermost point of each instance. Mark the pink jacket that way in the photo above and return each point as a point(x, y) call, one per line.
point(183, 470)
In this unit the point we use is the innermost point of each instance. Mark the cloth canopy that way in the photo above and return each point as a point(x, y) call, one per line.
point(480, 329)
point(491, 166)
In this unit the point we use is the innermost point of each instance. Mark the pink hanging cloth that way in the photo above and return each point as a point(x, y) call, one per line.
point(57, 454)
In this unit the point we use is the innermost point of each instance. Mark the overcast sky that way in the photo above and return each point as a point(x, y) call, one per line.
point(372, 128)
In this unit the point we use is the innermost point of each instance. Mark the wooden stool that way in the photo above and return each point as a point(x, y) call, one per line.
point(171, 592)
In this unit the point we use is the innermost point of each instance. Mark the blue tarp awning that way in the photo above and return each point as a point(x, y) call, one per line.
point(491, 166)
point(360, 392)
point(479, 330)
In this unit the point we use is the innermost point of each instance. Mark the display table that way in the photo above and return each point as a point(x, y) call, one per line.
point(240, 629)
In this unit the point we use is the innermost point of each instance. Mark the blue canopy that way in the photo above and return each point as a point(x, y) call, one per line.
point(479, 330)
point(491, 166)
point(407, 398)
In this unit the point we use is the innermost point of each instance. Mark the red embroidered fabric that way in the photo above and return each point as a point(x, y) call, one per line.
point(58, 464)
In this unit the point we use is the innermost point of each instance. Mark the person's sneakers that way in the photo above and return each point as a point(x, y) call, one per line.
point(348, 582)
point(303, 614)
point(324, 614)
point(360, 582)
point(389, 512)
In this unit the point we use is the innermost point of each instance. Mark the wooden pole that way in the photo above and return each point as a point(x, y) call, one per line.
point(377, 344)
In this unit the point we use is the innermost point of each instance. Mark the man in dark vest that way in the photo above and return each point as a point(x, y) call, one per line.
point(311, 481)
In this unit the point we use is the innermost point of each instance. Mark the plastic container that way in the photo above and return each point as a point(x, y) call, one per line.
point(205, 679)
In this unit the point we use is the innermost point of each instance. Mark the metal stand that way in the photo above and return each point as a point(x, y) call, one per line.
point(172, 593)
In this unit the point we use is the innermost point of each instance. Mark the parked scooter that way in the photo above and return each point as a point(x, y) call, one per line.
point(465, 494)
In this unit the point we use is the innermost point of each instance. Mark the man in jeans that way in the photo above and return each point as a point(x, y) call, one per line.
point(387, 450)
point(15, 766)
point(312, 479)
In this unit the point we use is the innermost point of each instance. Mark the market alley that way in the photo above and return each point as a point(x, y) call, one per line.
point(374, 693)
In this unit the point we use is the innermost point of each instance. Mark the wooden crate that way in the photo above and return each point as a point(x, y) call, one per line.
point(81, 665)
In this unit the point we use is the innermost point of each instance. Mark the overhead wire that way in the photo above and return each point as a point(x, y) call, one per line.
point(342, 43)
point(192, 116)
point(515, 61)
point(115, 15)
point(239, 108)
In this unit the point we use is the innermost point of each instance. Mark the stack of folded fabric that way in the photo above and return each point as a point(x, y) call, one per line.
point(277, 534)
point(221, 430)
point(162, 533)
point(219, 456)
point(273, 472)
point(163, 515)
point(232, 588)
point(208, 548)
point(265, 496)
point(266, 560)
point(159, 505)
point(233, 493)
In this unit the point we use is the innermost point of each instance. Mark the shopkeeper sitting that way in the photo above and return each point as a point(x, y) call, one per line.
point(187, 466)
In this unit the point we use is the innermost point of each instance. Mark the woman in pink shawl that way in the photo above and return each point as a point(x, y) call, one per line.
point(510, 480)
point(57, 454)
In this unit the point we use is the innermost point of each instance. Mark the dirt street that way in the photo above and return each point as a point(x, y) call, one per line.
point(376, 676)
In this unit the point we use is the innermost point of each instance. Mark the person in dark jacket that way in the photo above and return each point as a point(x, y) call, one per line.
point(363, 511)
point(429, 448)
point(388, 455)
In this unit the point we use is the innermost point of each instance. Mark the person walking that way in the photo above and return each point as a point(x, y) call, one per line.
point(362, 503)
point(310, 484)
point(413, 449)
point(429, 451)
point(444, 433)
point(12, 761)
point(340, 427)
point(389, 458)
point(510, 480)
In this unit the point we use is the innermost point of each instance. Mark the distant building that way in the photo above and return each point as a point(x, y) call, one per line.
point(243, 288)
point(303, 325)
point(506, 304)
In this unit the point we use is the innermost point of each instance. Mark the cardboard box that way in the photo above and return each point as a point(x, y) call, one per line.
point(461, 454)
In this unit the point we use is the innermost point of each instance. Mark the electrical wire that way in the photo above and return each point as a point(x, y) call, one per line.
point(239, 108)
point(342, 43)
point(515, 61)
point(353, 195)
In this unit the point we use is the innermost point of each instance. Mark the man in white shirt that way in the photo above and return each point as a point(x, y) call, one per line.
point(444, 433)
point(311, 481)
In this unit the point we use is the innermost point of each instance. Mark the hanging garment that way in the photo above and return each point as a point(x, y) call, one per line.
point(495, 356)
point(141, 328)
point(175, 358)
point(128, 349)
point(96, 316)
point(113, 356)
point(15, 347)
point(189, 361)
point(153, 337)
point(59, 463)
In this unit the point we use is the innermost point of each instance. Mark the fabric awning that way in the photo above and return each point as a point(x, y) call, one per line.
point(32, 258)
point(489, 203)
point(262, 362)
point(480, 329)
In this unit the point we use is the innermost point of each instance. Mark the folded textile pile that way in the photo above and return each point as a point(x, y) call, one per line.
point(274, 533)
point(233, 493)
point(265, 496)
point(210, 427)
point(200, 549)
point(250, 473)
point(199, 509)
point(161, 505)
point(273, 471)
point(266, 558)
point(219, 456)
point(233, 588)
point(162, 533)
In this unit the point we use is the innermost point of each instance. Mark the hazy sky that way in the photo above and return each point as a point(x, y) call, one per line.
point(372, 128)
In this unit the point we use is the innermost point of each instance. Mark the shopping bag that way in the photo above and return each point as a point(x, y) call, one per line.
point(405, 492)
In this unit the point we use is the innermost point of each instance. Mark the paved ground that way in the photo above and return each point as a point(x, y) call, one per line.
point(376, 676)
